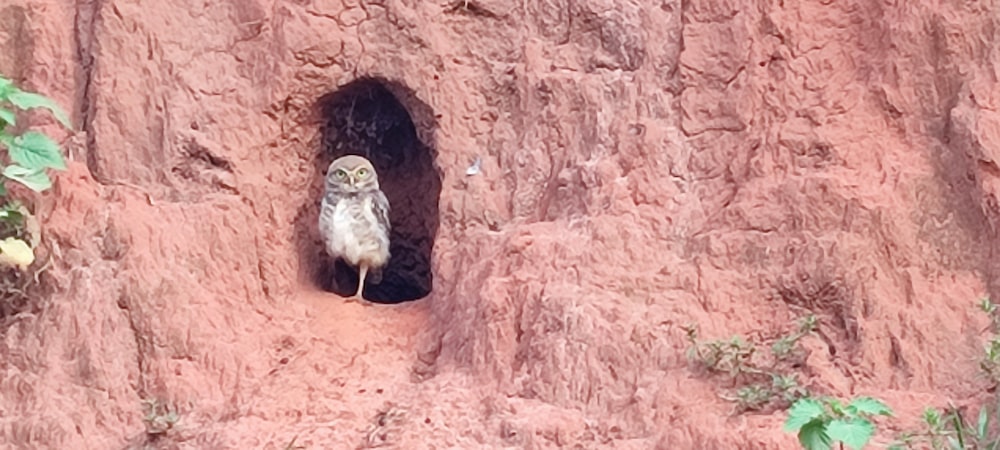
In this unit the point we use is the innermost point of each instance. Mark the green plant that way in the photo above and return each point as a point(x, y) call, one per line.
point(821, 422)
point(972, 436)
point(732, 356)
point(990, 308)
point(761, 379)
point(752, 397)
point(29, 155)
point(934, 433)
point(990, 362)
point(783, 390)
point(787, 387)
point(785, 347)
point(160, 417)
point(30, 152)
point(950, 431)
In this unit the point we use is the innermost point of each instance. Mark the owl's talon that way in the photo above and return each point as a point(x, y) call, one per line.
point(357, 299)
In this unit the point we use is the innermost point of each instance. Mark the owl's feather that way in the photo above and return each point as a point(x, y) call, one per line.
point(380, 206)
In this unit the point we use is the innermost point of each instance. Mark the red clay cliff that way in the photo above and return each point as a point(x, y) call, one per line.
point(642, 167)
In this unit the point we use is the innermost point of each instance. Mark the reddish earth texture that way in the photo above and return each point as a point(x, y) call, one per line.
point(645, 165)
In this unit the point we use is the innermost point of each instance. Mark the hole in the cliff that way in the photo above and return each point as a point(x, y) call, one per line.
point(367, 117)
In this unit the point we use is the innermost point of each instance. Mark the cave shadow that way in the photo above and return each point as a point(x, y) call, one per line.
point(373, 117)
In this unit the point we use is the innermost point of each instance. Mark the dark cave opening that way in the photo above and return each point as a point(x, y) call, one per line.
point(367, 117)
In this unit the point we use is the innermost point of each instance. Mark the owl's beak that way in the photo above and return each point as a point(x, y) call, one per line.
point(353, 180)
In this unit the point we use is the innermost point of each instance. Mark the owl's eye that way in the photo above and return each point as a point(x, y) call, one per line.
point(340, 173)
point(362, 172)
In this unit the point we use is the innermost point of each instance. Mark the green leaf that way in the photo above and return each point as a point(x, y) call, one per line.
point(35, 180)
point(11, 215)
point(7, 115)
point(958, 425)
point(932, 417)
point(29, 100)
point(836, 406)
point(813, 436)
point(984, 423)
point(6, 86)
point(802, 412)
point(34, 150)
point(870, 406)
point(855, 433)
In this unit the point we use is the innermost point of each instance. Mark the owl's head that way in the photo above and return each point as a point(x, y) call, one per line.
point(351, 173)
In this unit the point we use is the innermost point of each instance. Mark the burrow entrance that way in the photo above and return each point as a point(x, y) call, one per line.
point(367, 118)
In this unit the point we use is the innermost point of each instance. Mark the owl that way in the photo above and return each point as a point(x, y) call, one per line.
point(354, 218)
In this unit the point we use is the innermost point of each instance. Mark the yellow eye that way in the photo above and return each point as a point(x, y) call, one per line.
point(362, 172)
point(340, 173)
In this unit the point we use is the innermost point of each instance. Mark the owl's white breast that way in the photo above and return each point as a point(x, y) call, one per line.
point(343, 238)
point(354, 233)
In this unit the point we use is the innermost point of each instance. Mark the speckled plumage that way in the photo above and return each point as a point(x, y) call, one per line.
point(354, 218)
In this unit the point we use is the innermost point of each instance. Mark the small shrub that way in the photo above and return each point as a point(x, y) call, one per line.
point(732, 357)
point(821, 422)
point(30, 152)
point(761, 379)
point(990, 362)
point(160, 417)
point(950, 431)
point(28, 156)
point(990, 308)
point(786, 346)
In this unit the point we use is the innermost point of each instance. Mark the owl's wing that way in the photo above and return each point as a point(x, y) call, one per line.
point(380, 206)
point(326, 214)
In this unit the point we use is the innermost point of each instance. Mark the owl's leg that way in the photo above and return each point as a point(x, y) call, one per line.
point(362, 273)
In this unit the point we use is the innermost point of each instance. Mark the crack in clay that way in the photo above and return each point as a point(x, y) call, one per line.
point(140, 359)
point(720, 129)
point(84, 33)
